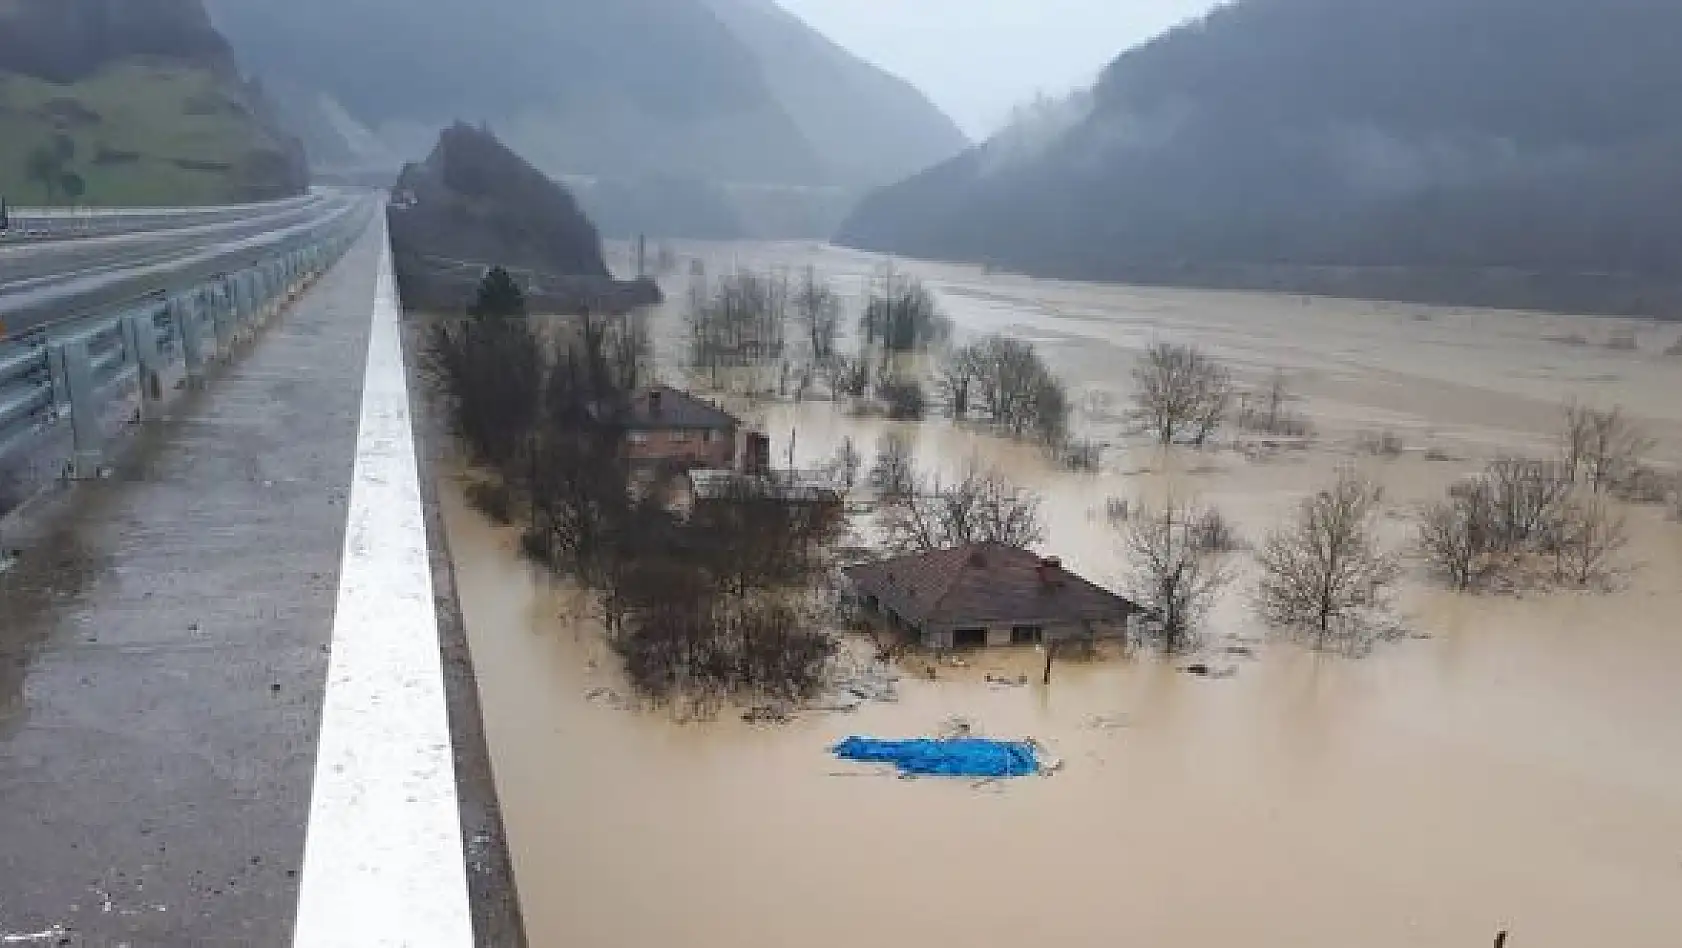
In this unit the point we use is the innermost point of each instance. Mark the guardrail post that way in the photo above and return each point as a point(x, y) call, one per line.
point(221, 320)
point(184, 310)
point(70, 369)
point(140, 336)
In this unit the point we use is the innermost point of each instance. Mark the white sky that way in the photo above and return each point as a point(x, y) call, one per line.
point(978, 58)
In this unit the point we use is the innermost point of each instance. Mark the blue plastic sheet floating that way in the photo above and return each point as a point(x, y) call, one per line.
point(957, 757)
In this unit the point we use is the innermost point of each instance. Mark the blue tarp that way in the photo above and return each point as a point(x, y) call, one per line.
point(958, 757)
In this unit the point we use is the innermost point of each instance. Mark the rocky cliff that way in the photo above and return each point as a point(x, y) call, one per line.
point(474, 203)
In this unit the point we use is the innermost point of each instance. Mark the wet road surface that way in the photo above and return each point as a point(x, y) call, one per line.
point(165, 639)
point(41, 282)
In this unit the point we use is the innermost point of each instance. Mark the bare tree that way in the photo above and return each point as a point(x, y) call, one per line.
point(1524, 497)
point(1181, 392)
point(817, 309)
point(903, 397)
point(1008, 381)
point(1269, 412)
point(902, 315)
point(982, 506)
point(1175, 572)
point(894, 474)
point(1616, 445)
point(1324, 574)
point(1586, 541)
point(1457, 537)
point(1601, 447)
point(1576, 434)
point(849, 377)
point(843, 468)
point(958, 374)
point(740, 321)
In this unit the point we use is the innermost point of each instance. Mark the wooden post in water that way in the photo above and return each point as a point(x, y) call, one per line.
point(1050, 653)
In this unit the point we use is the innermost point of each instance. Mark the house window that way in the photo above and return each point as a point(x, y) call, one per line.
point(969, 638)
point(637, 437)
point(679, 437)
point(1026, 635)
point(707, 436)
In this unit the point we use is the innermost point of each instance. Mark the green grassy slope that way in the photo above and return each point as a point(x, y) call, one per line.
point(145, 133)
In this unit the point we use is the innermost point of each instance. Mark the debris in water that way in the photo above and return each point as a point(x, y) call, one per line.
point(609, 698)
point(955, 727)
point(960, 757)
point(1049, 763)
point(842, 703)
point(1017, 682)
point(1202, 670)
point(869, 683)
point(768, 714)
point(1105, 722)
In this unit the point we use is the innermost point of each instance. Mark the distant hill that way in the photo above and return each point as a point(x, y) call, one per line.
point(650, 96)
point(132, 102)
point(1508, 152)
point(474, 203)
point(868, 126)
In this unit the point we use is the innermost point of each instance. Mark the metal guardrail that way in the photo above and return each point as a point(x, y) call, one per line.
point(29, 225)
point(75, 371)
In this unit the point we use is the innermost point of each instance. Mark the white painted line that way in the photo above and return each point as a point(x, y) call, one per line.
point(383, 861)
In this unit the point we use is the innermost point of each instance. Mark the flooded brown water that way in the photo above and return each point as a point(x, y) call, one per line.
point(1519, 766)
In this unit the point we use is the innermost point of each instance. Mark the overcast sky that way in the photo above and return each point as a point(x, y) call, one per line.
point(977, 58)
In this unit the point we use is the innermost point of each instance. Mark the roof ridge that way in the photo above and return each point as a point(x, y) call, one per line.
point(966, 564)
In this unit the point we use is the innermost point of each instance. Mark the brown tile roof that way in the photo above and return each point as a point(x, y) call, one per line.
point(985, 584)
point(677, 410)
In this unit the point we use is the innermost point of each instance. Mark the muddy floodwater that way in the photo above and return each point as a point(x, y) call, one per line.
point(1515, 764)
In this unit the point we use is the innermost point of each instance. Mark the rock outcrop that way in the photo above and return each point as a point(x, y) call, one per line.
point(473, 204)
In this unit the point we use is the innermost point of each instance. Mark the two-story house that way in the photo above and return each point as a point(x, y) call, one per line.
point(664, 427)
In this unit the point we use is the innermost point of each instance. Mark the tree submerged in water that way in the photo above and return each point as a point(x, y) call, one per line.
point(499, 297)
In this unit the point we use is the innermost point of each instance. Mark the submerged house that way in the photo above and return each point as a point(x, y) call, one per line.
point(985, 594)
point(664, 427)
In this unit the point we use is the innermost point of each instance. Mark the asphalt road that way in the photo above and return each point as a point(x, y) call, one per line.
point(48, 281)
point(34, 225)
point(226, 670)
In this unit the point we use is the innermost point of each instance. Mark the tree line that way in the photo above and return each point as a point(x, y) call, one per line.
point(1326, 573)
point(719, 603)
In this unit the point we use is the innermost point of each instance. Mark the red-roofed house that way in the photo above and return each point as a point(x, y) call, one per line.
point(986, 594)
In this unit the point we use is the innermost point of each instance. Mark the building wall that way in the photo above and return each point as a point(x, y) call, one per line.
point(715, 449)
point(944, 637)
point(939, 637)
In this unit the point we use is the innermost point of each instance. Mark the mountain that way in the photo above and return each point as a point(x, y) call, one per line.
point(1507, 152)
point(474, 203)
point(870, 127)
point(697, 98)
point(132, 102)
point(581, 86)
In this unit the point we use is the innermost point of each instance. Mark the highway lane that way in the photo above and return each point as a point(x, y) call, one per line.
point(36, 260)
point(35, 225)
point(86, 275)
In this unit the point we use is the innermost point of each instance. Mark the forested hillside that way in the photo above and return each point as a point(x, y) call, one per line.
point(118, 102)
point(1503, 151)
point(656, 97)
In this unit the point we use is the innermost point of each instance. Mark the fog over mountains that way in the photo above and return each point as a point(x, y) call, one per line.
point(1277, 138)
point(708, 99)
